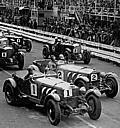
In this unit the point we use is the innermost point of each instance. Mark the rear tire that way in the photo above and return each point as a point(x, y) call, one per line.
point(95, 107)
point(53, 112)
point(67, 56)
point(45, 52)
point(28, 45)
point(86, 57)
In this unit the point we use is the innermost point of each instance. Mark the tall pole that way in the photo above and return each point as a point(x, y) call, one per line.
point(95, 6)
point(34, 4)
point(114, 8)
point(65, 6)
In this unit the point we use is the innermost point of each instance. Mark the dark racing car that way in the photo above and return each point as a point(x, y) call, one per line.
point(83, 76)
point(10, 54)
point(20, 40)
point(23, 43)
point(71, 51)
point(56, 96)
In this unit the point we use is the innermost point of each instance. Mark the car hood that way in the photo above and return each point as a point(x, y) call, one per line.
point(76, 68)
point(56, 83)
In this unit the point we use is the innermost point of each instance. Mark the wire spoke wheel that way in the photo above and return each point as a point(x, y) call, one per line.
point(95, 107)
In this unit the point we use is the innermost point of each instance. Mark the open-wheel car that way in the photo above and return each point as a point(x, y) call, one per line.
point(71, 51)
point(23, 43)
point(84, 76)
point(56, 96)
point(10, 54)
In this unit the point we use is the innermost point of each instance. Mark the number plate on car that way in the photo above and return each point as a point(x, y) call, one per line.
point(4, 54)
point(94, 77)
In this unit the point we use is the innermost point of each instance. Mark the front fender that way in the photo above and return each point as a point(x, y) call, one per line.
point(34, 67)
point(12, 81)
point(84, 78)
point(111, 74)
point(52, 95)
point(94, 91)
point(46, 46)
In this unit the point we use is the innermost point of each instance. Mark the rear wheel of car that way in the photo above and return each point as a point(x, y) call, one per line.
point(45, 52)
point(80, 83)
point(113, 85)
point(28, 45)
point(95, 107)
point(53, 112)
point(21, 61)
point(10, 94)
point(67, 55)
point(86, 57)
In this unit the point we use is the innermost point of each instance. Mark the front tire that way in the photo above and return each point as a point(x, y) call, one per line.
point(113, 84)
point(95, 107)
point(10, 94)
point(53, 112)
point(20, 61)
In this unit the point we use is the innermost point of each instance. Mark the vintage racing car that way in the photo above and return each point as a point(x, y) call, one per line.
point(84, 76)
point(71, 50)
point(23, 43)
point(10, 54)
point(56, 96)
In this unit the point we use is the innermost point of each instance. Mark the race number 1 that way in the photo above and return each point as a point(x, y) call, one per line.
point(34, 89)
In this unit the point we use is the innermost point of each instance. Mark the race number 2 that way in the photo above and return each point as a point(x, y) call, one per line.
point(94, 77)
point(34, 89)
point(61, 74)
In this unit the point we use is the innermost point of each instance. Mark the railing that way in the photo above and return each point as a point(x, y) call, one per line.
point(97, 49)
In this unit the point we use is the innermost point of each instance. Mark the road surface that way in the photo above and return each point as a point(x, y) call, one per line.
point(24, 117)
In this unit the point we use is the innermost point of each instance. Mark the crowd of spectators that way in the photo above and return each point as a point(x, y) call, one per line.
point(91, 30)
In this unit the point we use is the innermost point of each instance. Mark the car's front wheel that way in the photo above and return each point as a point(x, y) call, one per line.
point(95, 107)
point(113, 85)
point(53, 112)
point(20, 61)
point(10, 94)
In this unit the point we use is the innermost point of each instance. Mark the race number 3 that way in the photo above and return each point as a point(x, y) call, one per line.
point(34, 89)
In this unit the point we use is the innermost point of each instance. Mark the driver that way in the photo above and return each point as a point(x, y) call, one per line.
point(30, 72)
point(61, 60)
point(52, 63)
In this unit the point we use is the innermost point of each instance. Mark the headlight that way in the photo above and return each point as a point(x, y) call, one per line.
point(4, 54)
